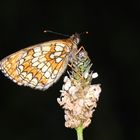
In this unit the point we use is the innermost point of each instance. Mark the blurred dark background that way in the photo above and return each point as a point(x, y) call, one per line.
point(113, 45)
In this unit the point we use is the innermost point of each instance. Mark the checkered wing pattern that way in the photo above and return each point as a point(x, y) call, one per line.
point(38, 66)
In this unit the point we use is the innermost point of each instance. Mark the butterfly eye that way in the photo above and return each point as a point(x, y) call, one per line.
point(75, 38)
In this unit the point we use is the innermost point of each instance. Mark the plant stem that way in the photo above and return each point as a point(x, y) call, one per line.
point(79, 131)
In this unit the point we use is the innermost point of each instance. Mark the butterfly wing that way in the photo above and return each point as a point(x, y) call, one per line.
point(38, 66)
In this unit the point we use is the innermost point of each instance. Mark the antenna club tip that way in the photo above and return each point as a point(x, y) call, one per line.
point(85, 32)
point(45, 31)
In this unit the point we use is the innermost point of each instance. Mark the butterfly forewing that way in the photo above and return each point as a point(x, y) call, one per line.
point(38, 66)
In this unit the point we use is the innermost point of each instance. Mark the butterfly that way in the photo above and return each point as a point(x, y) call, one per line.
point(41, 65)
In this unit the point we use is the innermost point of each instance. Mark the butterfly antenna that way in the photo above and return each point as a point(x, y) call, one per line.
point(57, 33)
point(85, 32)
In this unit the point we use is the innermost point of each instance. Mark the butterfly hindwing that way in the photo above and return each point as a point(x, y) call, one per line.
point(38, 66)
point(41, 65)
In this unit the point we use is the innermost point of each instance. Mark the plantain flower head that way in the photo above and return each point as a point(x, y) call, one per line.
point(78, 95)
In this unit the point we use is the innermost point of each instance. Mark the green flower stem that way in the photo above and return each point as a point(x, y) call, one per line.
point(79, 131)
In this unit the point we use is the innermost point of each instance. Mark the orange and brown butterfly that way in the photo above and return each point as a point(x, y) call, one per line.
point(40, 65)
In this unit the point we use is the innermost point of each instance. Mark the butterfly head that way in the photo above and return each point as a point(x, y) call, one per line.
point(75, 38)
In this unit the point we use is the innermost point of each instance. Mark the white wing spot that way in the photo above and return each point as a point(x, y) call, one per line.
point(52, 56)
point(39, 87)
point(42, 59)
point(53, 75)
point(48, 64)
point(14, 81)
point(29, 76)
point(37, 54)
point(19, 83)
point(24, 54)
point(37, 49)
point(57, 53)
point(21, 61)
point(40, 65)
point(20, 68)
point(35, 64)
point(34, 81)
point(34, 59)
point(55, 72)
point(44, 68)
point(23, 74)
point(31, 85)
point(59, 59)
point(47, 74)
point(59, 47)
